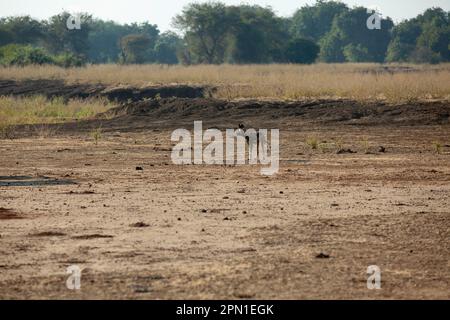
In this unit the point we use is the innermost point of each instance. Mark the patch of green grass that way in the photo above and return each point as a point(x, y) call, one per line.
point(437, 147)
point(313, 143)
point(365, 145)
point(96, 134)
point(38, 110)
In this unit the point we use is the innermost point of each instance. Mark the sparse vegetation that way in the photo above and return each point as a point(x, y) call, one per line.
point(45, 130)
point(339, 143)
point(437, 146)
point(312, 142)
point(6, 130)
point(40, 112)
point(96, 134)
point(365, 145)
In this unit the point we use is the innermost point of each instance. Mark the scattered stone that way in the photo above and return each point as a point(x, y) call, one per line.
point(323, 256)
point(381, 149)
point(139, 168)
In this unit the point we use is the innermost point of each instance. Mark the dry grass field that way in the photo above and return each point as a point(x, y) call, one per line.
point(364, 180)
point(353, 81)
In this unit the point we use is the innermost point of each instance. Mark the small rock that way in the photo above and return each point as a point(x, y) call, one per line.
point(382, 149)
point(139, 168)
point(323, 256)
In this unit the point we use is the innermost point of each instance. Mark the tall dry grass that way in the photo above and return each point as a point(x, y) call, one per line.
point(354, 81)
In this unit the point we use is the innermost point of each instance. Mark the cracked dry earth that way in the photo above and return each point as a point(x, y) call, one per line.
point(197, 232)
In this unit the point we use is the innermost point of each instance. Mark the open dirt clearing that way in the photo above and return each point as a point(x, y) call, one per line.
point(197, 231)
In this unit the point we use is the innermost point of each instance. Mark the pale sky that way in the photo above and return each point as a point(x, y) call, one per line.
point(160, 12)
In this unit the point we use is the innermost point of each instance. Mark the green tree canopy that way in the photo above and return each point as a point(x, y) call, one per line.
point(205, 26)
point(350, 31)
point(425, 38)
point(314, 22)
point(135, 48)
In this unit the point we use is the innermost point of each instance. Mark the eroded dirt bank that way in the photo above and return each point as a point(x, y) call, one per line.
point(58, 88)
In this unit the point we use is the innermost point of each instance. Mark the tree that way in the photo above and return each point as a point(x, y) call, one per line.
point(22, 30)
point(104, 41)
point(314, 22)
point(302, 51)
point(424, 38)
point(257, 35)
point(206, 27)
point(356, 53)
point(6, 37)
point(331, 48)
point(59, 39)
point(167, 47)
point(349, 31)
point(135, 48)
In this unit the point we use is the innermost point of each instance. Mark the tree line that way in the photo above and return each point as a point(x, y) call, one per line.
point(215, 33)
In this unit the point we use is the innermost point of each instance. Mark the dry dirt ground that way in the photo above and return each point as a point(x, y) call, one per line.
point(227, 232)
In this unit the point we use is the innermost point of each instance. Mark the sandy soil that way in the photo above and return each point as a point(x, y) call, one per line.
point(183, 232)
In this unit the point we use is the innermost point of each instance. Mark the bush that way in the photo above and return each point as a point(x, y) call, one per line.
point(356, 53)
point(20, 55)
point(425, 55)
point(68, 60)
point(23, 55)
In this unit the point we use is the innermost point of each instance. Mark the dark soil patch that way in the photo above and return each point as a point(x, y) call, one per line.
point(9, 214)
point(92, 236)
point(48, 234)
point(58, 88)
point(139, 225)
point(317, 111)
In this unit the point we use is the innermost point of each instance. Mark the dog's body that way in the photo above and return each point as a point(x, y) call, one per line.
point(242, 132)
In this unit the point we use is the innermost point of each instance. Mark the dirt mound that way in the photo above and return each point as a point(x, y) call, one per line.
point(317, 111)
point(174, 104)
point(122, 94)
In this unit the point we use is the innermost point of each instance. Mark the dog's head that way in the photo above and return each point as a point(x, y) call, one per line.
point(241, 126)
